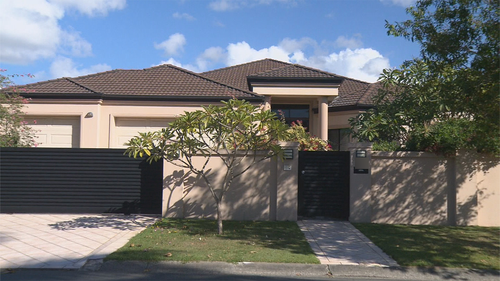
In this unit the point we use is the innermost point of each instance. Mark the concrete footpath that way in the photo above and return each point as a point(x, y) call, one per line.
point(340, 243)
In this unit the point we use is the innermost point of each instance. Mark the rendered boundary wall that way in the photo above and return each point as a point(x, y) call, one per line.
point(267, 191)
point(422, 188)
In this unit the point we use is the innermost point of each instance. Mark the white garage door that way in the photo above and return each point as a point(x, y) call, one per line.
point(127, 128)
point(56, 131)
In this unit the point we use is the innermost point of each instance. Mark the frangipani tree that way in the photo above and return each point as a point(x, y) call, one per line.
point(237, 133)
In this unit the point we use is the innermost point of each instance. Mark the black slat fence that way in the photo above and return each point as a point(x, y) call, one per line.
point(78, 180)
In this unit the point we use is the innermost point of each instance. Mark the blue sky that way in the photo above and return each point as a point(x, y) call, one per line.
point(57, 38)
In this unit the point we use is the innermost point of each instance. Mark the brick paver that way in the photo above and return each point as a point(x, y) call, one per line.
point(63, 241)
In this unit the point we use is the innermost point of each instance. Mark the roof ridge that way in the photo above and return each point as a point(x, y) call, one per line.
point(37, 83)
point(246, 63)
point(315, 69)
point(54, 80)
point(270, 70)
point(326, 72)
point(101, 73)
point(205, 78)
point(80, 85)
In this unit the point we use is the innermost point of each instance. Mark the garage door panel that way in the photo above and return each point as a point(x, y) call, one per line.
point(63, 132)
point(122, 140)
point(40, 138)
point(61, 139)
point(127, 128)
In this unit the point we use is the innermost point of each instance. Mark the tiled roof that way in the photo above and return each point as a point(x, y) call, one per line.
point(174, 82)
point(367, 98)
point(351, 92)
point(237, 75)
point(61, 85)
point(159, 81)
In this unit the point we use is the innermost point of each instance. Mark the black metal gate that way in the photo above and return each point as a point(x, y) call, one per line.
point(58, 180)
point(324, 184)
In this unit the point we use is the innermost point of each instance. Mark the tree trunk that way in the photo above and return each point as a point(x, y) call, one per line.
point(219, 219)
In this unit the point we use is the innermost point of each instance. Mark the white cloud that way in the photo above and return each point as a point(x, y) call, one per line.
point(349, 43)
point(171, 61)
point(91, 7)
point(402, 3)
point(223, 5)
point(33, 31)
point(78, 46)
point(183, 16)
point(364, 64)
point(210, 57)
point(242, 52)
point(293, 45)
point(297, 57)
point(359, 63)
point(227, 5)
point(173, 45)
point(65, 67)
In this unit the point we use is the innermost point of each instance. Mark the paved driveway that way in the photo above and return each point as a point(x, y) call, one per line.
point(64, 241)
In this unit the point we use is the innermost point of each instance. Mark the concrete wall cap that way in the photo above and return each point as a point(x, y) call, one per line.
point(404, 154)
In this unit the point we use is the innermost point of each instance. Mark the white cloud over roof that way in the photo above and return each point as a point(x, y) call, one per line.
point(360, 63)
point(173, 45)
point(66, 67)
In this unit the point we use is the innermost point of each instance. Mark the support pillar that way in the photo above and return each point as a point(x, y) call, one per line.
point(267, 103)
point(323, 118)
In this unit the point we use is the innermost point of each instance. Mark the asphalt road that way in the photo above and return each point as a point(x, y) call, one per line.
point(51, 275)
point(212, 271)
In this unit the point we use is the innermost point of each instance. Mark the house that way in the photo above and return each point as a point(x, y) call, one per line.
point(105, 110)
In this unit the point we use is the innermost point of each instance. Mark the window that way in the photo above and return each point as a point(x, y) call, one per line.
point(339, 138)
point(292, 113)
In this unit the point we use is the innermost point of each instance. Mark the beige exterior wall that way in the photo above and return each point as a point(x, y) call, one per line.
point(99, 131)
point(89, 136)
point(422, 188)
point(267, 191)
point(340, 120)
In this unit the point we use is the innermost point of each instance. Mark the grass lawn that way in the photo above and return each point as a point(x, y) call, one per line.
point(188, 240)
point(446, 246)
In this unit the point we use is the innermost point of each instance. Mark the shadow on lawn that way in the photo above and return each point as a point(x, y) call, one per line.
point(445, 246)
point(283, 235)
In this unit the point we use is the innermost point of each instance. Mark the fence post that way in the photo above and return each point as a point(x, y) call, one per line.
point(287, 174)
point(360, 206)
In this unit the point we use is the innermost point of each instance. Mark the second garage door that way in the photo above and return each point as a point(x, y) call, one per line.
point(127, 128)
